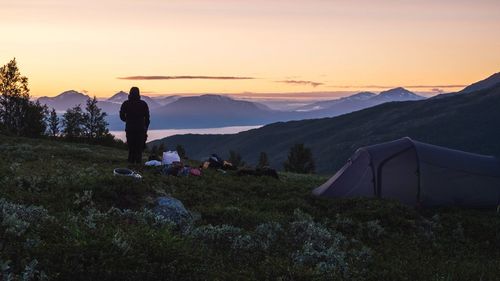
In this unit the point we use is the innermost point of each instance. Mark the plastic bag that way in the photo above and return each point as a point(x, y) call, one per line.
point(170, 157)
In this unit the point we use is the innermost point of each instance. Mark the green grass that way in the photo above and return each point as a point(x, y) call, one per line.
point(245, 228)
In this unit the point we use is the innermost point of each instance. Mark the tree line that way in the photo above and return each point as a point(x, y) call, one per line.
point(77, 123)
point(21, 116)
point(300, 160)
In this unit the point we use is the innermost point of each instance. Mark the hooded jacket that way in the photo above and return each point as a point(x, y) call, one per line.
point(135, 113)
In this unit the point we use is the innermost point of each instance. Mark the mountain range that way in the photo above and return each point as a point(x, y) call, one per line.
point(320, 105)
point(64, 100)
point(72, 98)
point(468, 121)
point(356, 102)
point(210, 110)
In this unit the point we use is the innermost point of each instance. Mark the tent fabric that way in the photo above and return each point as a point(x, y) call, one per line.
point(417, 173)
point(352, 180)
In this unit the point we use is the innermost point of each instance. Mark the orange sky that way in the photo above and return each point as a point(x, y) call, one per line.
point(315, 45)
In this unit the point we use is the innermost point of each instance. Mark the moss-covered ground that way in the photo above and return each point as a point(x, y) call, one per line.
point(64, 216)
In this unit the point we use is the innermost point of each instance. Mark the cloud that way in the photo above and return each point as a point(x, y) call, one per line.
point(185, 77)
point(301, 82)
point(437, 90)
point(309, 96)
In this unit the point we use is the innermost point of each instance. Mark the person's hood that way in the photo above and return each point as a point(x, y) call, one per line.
point(134, 96)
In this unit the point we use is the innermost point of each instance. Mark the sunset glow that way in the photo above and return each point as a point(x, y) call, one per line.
point(222, 46)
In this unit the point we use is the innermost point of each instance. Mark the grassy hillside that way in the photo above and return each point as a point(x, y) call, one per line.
point(467, 122)
point(64, 216)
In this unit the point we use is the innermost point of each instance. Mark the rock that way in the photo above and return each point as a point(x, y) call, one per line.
point(172, 209)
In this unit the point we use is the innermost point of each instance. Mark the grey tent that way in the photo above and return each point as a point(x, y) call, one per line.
point(418, 174)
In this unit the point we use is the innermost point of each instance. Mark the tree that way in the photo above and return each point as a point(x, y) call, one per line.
point(90, 124)
point(73, 123)
point(19, 115)
point(94, 123)
point(53, 124)
point(181, 151)
point(235, 159)
point(35, 118)
point(14, 92)
point(299, 160)
point(263, 161)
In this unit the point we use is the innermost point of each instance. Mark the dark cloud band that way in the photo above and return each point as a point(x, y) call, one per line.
point(185, 77)
point(301, 82)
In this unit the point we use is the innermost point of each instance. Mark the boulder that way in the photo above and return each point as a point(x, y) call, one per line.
point(172, 209)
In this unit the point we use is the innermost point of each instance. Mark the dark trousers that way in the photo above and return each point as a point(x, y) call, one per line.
point(135, 141)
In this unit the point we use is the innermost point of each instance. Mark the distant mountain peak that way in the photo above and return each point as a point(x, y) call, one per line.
point(70, 93)
point(396, 90)
point(213, 107)
point(64, 100)
point(398, 94)
point(122, 96)
point(210, 99)
point(120, 93)
point(119, 97)
point(215, 97)
point(359, 101)
point(361, 96)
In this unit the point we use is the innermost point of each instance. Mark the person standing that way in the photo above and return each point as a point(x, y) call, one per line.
point(135, 113)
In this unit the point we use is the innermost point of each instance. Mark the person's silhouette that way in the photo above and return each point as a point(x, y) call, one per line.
point(135, 113)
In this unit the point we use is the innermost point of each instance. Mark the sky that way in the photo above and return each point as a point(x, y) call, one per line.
point(259, 46)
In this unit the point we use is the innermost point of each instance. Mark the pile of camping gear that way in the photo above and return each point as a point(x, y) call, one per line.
point(172, 165)
point(217, 163)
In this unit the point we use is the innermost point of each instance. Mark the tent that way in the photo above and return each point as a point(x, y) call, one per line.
point(417, 174)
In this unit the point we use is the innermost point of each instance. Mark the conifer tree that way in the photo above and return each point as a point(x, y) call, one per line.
point(53, 124)
point(18, 114)
point(299, 160)
point(94, 123)
point(263, 160)
point(35, 120)
point(73, 123)
point(235, 159)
